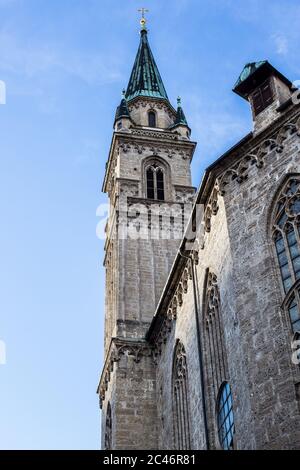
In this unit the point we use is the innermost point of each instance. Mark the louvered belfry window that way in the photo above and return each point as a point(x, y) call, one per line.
point(262, 97)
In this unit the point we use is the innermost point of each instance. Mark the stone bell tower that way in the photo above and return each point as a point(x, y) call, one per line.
point(148, 182)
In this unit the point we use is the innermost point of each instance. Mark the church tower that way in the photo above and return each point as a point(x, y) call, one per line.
point(148, 182)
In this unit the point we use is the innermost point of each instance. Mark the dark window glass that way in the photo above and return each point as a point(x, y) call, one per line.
point(152, 119)
point(294, 313)
point(155, 183)
point(160, 185)
point(225, 417)
point(150, 184)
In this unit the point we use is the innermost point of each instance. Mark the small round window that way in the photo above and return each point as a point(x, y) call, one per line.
point(225, 417)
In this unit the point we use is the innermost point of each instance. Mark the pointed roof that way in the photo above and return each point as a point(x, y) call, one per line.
point(254, 74)
point(180, 117)
point(122, 109)
point(145, 78)
point(248, 70)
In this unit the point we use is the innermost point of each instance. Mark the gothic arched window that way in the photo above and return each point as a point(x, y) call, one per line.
point(152, 119)
point(292, 303)
point(180, 399)
point(286, 237)
point(155, 182)
point(108, 428)
point(225, 417)
point(215, 360)
point(214, 336)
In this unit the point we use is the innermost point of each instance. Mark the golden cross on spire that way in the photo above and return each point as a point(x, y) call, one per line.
point(143, 19)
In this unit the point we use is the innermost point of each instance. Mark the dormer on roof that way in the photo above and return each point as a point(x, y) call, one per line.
point(266, 89)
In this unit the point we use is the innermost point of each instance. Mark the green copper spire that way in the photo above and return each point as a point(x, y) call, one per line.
point(180, 118)
point(145, 78)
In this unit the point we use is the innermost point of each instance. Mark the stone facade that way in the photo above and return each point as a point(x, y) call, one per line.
point(238, 249)
point(190, 318)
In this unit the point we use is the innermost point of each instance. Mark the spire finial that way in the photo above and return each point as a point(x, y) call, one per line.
point(143, 21)
point(123, 93)
point(179, 101)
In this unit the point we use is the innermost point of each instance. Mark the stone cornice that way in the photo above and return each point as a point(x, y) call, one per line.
point(253, 148)
point(152, 202)
point(144, 100)
point(135, 348)
point(256, 153)
point(141, 138)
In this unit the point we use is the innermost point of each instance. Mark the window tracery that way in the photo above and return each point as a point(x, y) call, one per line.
point(180, 399)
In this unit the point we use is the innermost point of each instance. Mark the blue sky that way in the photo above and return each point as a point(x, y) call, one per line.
point(65, 63)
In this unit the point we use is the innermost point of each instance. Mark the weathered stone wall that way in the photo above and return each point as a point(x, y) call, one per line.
point(147, 264)
point(217, 257)
point(138, 263)
point(139, 110)
point(238, 194)
point(175, 158)
point(138, 268)
point(135, 404)
point(281, 94)
point(265, 333)
point(238, 249)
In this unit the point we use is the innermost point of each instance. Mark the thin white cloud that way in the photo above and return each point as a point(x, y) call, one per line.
point(281, 44)
point(279, 23)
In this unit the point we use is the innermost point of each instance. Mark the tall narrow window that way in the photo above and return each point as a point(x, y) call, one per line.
point(152, 119)
point(225, 417)
point(150, 183)
point(216, 368)
point(155, 183)
point(108, 428)
point(286, 237)
point(160, 185)
point(293, 303)
point(214, 335)
point(180, 400)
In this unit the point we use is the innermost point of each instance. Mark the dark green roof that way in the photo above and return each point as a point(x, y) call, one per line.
point(180, 117)
point(145, 78)
point(254, 75)
point(122, 110)
point(248, 70)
